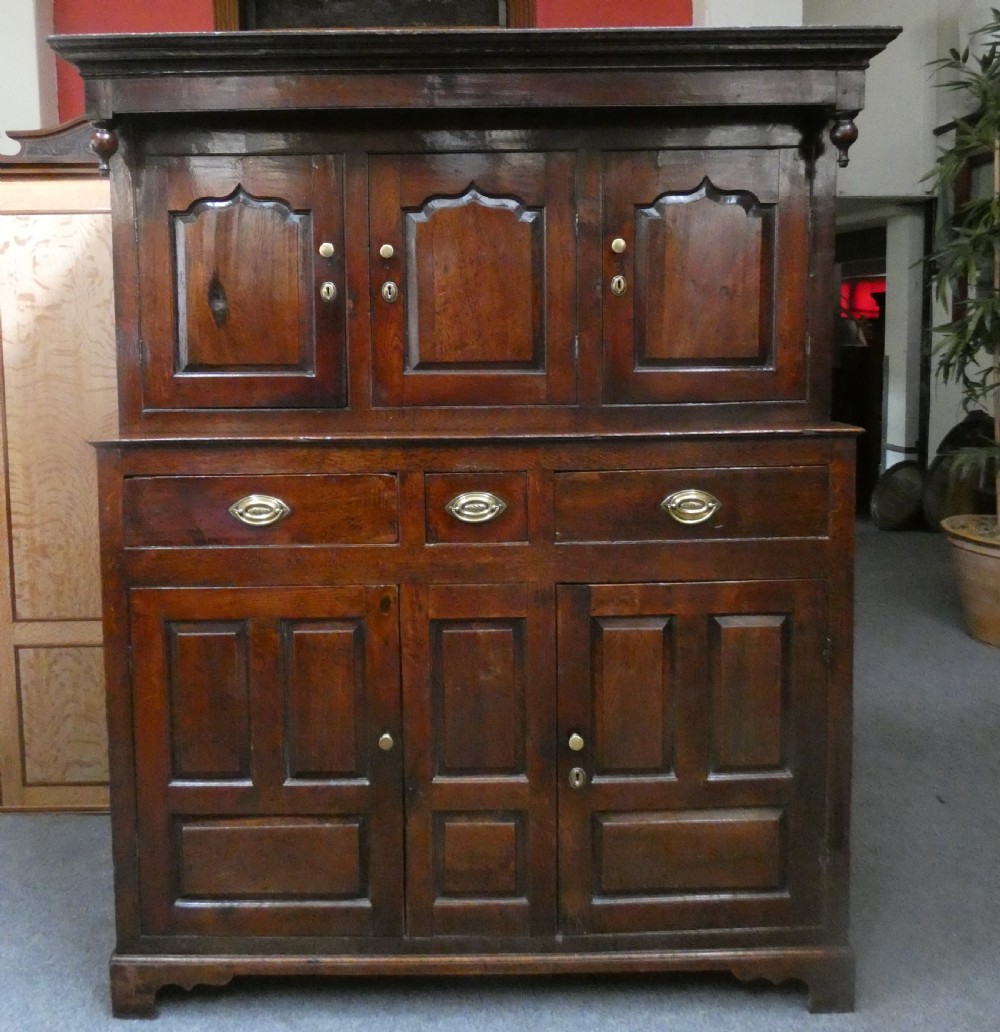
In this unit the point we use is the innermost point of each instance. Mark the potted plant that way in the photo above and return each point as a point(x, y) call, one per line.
point(966, 266)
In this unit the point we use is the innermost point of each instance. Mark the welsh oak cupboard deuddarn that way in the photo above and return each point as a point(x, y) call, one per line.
point(477, 547)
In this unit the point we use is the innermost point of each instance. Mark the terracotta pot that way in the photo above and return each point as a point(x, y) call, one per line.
point(976, 551)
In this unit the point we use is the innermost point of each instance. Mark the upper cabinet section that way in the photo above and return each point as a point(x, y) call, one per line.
point(390, 231)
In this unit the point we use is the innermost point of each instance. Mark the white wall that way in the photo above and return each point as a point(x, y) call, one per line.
point(27, 69)
point(747, 12)
point(896, 145)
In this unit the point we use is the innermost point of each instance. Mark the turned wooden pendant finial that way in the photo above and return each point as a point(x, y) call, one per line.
point(843, 135)
point(104, 143)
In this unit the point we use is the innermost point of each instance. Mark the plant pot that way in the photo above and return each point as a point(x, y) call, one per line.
point(976, 550)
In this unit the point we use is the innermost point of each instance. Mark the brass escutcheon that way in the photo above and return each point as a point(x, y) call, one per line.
point(618, 286)
point(328, 291)
point(390, 291)
point(577, 777)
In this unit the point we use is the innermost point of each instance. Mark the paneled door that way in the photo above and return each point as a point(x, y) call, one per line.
point(242, 285)
point(267, 721)
point(479, 708)
point(473, 278)
point(692, 754)
point(706, 263)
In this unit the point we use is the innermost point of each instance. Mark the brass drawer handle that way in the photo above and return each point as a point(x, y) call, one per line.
point(476, 506)
point(691, 505)
point(259, 510)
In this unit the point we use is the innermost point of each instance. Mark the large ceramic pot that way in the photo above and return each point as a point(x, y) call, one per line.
point(976, 550)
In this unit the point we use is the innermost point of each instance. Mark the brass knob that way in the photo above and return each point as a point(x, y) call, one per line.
point(577, 777)
point(618, 245)
point(387, 251)
point(575, 742)
point(390, 291)
point(691, 505)
point(328, 291)
point(618, 286)
point(326, 249)
point(385, 742)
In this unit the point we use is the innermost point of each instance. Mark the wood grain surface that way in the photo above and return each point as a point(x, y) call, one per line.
point(58, 390)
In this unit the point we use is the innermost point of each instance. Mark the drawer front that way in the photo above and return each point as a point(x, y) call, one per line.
point(476, 508)
point(347, 509)
point(632, 505)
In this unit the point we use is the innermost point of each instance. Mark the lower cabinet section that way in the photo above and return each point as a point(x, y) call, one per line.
point(655, 773)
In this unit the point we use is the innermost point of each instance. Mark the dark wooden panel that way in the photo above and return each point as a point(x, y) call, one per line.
point(749, 668)
point(479, 706)
point(697, 846)
point(325, 700)
point(208, 688)
point(483, 257)
point(458, 319)
point(479, 855)
point(510, 525)
point(708, 238)
point(352, 14)
point(239, 323)
point(357, 819)
point(221, 324)
point(477, 685)
point(273, 858)
point(647, 854)
point(624, 505)
point(336, 509)
point(715, 310)
point(633, 674)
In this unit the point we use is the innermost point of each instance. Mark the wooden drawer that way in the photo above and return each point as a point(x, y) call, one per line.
point(354, 509)
point(627, 505)
point(470, 495)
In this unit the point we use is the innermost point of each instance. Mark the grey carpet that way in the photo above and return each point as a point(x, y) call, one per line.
point(926, 897)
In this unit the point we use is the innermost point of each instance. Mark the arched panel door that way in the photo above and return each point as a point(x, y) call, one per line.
point(242, 297)
point(703, 256)
point(473, 279)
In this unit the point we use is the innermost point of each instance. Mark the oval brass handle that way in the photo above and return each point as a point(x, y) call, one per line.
point(385, 742)
point(476, 506)
point(691, 505)
point(575, 742)
point(259, 510)
point(577, 777)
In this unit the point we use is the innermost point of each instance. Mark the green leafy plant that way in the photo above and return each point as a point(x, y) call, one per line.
point(966, 259)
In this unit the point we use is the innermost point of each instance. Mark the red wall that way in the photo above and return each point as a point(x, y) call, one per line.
point(197, 15)
point(109, 16)
point(551, 14)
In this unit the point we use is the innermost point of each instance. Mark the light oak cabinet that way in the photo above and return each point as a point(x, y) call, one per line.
point(477, 545)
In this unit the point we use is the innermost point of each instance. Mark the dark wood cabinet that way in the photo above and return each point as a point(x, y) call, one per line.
point(477, 544)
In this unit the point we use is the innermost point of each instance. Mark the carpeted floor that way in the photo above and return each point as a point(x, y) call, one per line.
point(926, 892)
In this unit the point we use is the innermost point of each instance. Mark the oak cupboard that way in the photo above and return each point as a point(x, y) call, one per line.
point(476, 543)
